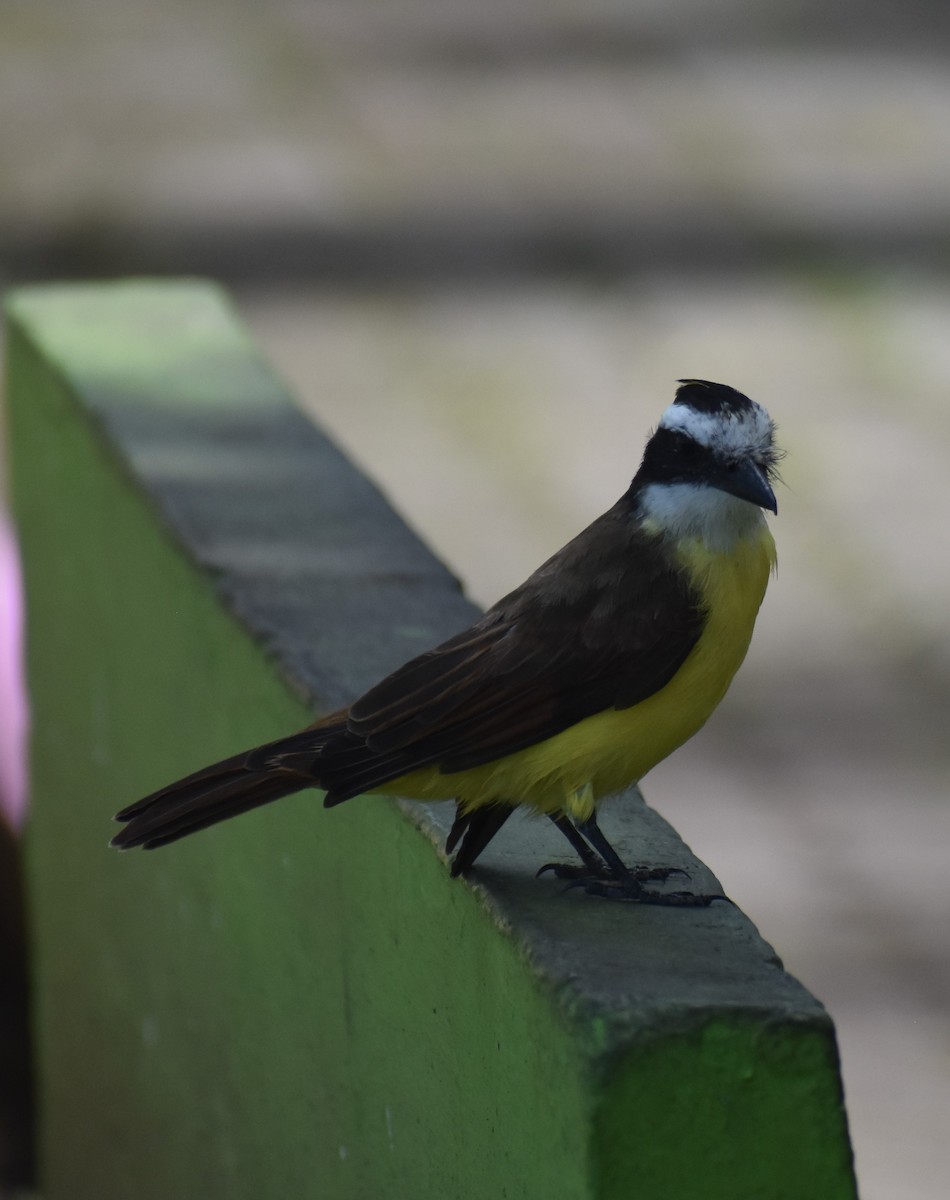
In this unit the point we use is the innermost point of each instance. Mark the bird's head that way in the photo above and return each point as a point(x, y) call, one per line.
point(712, 436)
point(713, 447)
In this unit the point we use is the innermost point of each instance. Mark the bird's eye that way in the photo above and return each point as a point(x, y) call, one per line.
point(688, 449)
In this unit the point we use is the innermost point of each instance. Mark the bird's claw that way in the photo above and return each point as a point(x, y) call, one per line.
point(632, 891)
point(575, 871)
point(660, 874)
point(582, 873)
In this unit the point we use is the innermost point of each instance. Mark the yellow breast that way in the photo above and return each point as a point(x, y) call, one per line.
point(608, 751)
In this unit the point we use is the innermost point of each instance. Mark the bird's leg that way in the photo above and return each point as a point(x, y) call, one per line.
point(626, 884)
point(594, 867)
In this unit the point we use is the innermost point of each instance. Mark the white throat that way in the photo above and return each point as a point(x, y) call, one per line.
point(693, 511)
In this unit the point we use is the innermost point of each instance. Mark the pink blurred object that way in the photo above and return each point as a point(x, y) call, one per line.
point(14, 710)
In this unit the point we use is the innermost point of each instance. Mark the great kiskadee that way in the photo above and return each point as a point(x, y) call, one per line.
point(571, 687)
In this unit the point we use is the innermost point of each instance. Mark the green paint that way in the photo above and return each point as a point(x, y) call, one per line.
point(169, 344)
point(290, 1008)
point(738, 1110)
point(303, 1003)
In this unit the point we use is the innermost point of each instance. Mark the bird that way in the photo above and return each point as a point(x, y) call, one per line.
point(610, 656)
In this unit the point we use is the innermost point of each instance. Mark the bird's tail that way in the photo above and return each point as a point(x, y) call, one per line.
point(324, 755)
point(203, 799)
point(223, 790)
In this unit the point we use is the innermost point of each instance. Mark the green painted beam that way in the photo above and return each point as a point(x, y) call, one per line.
point(301, 1002)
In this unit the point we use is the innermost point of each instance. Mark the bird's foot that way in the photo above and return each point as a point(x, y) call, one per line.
point(630, 889)
point(659, 874)
point(579, 871)
point(582, 872)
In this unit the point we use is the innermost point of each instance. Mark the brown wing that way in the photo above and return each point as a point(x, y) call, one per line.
point(603, 624)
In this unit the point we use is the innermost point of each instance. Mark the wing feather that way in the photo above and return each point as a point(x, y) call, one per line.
point(604, 624)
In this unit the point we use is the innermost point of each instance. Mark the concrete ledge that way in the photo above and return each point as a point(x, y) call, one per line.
point(302, 1003)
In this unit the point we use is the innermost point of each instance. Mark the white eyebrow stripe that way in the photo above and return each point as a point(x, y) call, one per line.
point(681, 418)
point(725, 432)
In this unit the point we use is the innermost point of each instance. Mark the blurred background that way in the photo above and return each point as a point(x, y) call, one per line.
point(481, 242)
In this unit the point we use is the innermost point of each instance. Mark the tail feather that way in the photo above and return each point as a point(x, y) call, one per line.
point(225, 789)
point(191, 786)
point(327, 755)
point(185, 808)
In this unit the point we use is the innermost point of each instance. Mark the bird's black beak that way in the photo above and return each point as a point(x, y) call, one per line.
point(748, 481)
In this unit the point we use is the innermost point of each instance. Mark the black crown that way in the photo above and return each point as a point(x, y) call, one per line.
point(706, 397)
